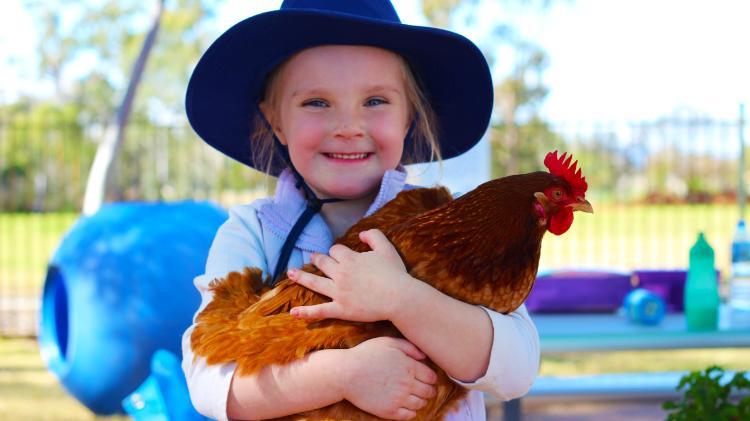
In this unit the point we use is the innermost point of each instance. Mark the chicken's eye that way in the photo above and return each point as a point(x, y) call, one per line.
point(557, 194)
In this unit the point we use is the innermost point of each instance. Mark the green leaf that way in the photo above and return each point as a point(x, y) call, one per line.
point(704, 396)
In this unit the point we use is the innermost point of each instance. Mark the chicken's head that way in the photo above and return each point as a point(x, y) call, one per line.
point(567, 193)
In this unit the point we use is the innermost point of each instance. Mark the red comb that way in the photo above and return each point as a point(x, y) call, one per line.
point(562, 167)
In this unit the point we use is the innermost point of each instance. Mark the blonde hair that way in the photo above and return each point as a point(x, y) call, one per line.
point(423, 147)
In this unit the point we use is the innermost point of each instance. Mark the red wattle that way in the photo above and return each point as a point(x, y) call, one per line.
point(561, 221)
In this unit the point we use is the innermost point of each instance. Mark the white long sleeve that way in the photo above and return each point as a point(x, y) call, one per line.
point(235, 246)
point(514, 358)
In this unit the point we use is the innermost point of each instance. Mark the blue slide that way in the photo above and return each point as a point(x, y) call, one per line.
point(119, 288)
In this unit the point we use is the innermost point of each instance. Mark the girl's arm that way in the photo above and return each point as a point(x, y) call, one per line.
point(374, 376)
point(381, 376)
point(457, 336)
point(499, 352)
point(480, 348)
point(303, 385)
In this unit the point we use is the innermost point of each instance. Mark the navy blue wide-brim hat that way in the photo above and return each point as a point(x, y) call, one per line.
point(228, 81)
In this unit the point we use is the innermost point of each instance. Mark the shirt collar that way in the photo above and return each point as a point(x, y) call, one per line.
point(280, 214)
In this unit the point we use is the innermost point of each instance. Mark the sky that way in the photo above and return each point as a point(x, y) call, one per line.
point(608, 59)
point(640, 59)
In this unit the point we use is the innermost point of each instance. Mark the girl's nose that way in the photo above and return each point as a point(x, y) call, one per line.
point(349, 125)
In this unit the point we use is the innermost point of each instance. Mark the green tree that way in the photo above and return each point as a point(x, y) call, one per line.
point(520, 131)
point(101, 169)
point(44, 156)
point(112, 34)
point(108, 35)
point(519, 136)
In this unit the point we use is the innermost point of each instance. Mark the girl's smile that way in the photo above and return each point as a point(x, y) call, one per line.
point(349, 156)
point(343, 113)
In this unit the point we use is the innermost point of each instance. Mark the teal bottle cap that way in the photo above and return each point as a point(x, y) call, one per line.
point(701, 247)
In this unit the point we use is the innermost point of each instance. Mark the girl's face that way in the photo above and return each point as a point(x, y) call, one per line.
point(343, 113)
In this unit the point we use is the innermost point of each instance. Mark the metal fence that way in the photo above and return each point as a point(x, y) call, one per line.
point(653, 184)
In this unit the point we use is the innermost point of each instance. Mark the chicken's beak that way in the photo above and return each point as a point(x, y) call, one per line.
point(582, 205)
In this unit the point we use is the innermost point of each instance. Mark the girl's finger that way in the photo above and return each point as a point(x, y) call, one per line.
point(340, 252)
point(423, 390)
point(407, 348)
point(415, 403)
point(375, 239)
point(323, 262)
point(316, 283)
point(319, 311)
point(425, 374)
point(404, 414)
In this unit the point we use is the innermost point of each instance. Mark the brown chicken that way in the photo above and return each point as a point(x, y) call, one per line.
point(482, 248)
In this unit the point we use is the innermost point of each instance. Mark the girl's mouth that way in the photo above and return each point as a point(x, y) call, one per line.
point(348, 156)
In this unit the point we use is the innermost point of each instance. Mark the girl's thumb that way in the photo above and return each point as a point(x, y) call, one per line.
point(409, 349)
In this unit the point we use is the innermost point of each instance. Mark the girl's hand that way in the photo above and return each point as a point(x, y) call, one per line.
point(363, 287)
point(383, 376)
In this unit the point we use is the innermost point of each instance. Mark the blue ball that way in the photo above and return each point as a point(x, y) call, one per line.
point(644, 307)
point(119, 287)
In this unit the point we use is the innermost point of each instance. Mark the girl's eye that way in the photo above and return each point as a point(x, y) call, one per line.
point(375, 101)
point(315, 103)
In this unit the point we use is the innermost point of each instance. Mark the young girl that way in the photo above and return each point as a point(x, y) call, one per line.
point(333, 96)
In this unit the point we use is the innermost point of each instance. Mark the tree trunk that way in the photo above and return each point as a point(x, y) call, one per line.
point(101, 169)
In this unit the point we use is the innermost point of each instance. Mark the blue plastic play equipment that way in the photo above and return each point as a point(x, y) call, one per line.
point(118, 288)
point(164, 395)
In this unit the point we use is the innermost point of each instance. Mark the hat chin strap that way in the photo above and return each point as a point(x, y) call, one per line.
point(314, 204)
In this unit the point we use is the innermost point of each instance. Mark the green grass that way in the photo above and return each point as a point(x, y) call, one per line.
point(575, 363)
point(30, 392)
point(630, 237)
point(27, 241)
point(623, 237)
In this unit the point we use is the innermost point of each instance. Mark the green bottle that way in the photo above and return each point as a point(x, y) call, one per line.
point(701, 288)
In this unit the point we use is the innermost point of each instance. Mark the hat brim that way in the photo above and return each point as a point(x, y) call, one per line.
point(228, 80)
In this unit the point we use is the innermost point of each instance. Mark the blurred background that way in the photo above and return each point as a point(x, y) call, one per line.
point(646, 95)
